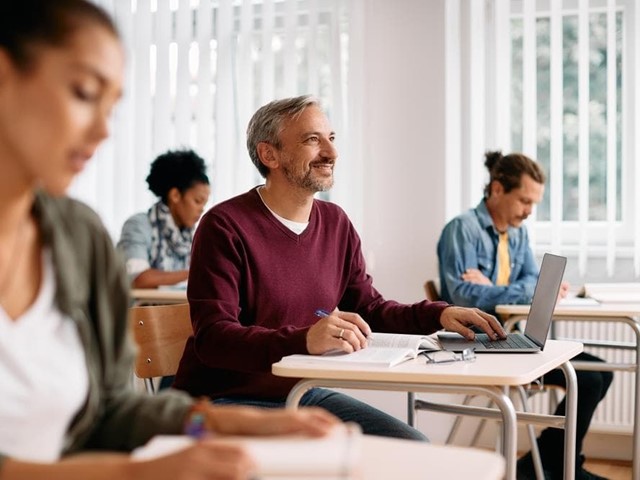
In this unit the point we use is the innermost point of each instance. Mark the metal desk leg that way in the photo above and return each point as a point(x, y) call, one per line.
point(636, 406)
point(571, 397)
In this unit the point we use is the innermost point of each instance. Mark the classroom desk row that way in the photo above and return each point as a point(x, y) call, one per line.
point(482, 380)
point(487, 375)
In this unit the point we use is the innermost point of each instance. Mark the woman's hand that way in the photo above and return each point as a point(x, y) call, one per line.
point(239, 420)
point(208, 459)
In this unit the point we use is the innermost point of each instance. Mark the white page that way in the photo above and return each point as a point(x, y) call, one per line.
point(370, 356)
point(338, 453)
point(400, 340)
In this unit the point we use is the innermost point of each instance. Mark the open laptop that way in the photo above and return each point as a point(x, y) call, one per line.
point(538, 320)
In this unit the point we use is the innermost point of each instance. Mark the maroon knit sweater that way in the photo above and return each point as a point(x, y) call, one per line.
point(254, 286)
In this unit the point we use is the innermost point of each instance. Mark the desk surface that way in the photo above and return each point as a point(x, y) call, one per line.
point(387, 458)
point(380, 458)
point(600, 310)
point(488, 368)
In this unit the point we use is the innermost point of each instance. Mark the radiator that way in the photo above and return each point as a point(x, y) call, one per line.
point(615, 412)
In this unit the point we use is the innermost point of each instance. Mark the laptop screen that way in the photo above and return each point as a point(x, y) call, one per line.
point(545, 297)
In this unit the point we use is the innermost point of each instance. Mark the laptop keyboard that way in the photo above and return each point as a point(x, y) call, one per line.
point(513, 340)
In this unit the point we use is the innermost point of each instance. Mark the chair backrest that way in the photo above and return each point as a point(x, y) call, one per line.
point(431, 290)
point(160, 331)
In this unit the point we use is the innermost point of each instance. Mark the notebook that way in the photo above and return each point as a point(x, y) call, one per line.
point(535, 334)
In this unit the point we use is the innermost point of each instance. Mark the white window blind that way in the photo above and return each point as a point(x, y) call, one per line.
point(196, 72)
point(558, 80)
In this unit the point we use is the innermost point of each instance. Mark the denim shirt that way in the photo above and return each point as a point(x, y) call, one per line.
point(471, 241)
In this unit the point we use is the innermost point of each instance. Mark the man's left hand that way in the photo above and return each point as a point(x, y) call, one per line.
point(457, 319)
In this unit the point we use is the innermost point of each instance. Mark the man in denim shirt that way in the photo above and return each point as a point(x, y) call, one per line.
point(485, 259)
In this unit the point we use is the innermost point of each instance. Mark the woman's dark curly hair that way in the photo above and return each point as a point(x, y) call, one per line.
point(180, 169)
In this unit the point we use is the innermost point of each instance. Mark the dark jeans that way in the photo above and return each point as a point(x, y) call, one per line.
point(166, 382)
point(592, 387)
point(348, 409)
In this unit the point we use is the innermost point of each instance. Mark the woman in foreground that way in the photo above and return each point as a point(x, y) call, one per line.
point(65, 356)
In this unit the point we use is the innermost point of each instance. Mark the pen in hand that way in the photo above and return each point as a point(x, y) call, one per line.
point(323, 313)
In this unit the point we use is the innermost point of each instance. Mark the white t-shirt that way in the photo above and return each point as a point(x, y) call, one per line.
point(43, 376)
point(295, 227)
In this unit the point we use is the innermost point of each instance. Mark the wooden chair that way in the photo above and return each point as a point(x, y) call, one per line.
point(431, 290)
point(160, 332)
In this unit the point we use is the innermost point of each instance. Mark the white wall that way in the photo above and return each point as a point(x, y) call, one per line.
point(403, 143)
point(402, 115)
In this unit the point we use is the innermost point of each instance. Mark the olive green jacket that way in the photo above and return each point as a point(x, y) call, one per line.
point(92, 289)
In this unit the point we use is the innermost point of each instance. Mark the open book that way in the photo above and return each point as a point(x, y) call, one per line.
point(383, 350)
point(611, 292)
point(336, 455)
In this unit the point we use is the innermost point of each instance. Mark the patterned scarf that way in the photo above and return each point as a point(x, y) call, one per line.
point(170, 245)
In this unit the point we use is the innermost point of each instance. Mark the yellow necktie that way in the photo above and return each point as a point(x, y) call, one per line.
point(504, 263)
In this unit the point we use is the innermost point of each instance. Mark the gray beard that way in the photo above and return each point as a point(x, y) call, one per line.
point(307, 182)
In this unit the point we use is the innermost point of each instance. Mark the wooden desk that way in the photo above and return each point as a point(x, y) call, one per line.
point(627, 313)
point(156, 296)
point(487, 375)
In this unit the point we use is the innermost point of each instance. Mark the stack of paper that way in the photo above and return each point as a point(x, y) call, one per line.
point(612, 292)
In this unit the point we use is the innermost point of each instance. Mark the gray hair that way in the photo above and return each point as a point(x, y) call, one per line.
point(267, 123)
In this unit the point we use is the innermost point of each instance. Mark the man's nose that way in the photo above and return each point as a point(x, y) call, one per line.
point(329, 150)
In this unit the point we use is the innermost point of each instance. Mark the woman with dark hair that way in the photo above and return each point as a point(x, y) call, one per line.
point(157, 243)
point(65, 353)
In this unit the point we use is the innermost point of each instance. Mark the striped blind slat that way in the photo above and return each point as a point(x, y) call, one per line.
point(267, 67)
point(224, 177)
point(583, 129)
point(143, 101)
point(204, 80)
point(161, 79)
point(612, 119)
point(290, 80)
point(183, 101)
point(312, 42)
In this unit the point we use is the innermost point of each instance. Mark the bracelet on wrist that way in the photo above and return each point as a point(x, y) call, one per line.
point(197, 422)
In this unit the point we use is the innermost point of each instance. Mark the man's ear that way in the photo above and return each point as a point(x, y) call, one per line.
point(496, 188)
point(268, 155)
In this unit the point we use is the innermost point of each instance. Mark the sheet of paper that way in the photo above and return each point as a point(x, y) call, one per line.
point(287, 456)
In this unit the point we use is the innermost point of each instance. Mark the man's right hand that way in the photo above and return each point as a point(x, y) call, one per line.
point(341, 331)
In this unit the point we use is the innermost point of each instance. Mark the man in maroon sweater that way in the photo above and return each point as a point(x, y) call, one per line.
point(264, 262)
